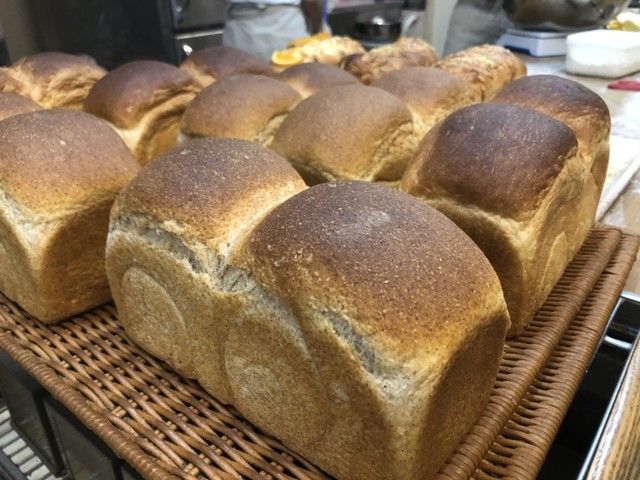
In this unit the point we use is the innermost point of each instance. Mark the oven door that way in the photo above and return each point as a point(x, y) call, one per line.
point(191, 15)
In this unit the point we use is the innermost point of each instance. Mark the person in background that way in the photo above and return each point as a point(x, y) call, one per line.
point(475, 22)
point(261, 28)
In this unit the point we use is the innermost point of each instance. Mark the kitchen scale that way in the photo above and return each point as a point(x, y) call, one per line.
point(534, 42)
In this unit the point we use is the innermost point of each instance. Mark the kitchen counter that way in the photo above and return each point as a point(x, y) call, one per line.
point(617, 454)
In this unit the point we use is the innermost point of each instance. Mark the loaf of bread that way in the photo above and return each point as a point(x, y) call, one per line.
point(319, 48)
point(404, 52)
point(60, 172)
point(54, 79)
point(213, 63)
point(248, 107)
point(353, 322)
point(352, 132)
point(430, 93)
point(573, 104)
point(13, 104)
point(144, 101)
point(309, 78)
point(513, 179)
point(486, 67)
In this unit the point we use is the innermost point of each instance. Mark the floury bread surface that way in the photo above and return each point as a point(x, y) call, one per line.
point(53, 79)
point(144, 101)
point(350, 132)
point(60, 171)
point(248, 107)
point(514, 180)
point(353, 322)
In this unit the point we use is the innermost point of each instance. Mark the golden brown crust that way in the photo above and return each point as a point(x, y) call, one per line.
point(325, 138)
point(514, 140)
point(60, 171)
point(57, 80)
point(367, 256)
point(404, 52)
point(309, 78)
point(486, 67)
point(213, 63)
point(430, 93)
point(125, 95)
point(565, 100)
point(13, 104)
point(238, 106)
point(204, 175)
point(52, 159)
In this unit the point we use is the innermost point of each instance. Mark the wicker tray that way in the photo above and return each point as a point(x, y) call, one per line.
point(168, 427)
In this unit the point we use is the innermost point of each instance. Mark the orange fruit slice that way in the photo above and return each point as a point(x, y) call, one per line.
point(286, 58)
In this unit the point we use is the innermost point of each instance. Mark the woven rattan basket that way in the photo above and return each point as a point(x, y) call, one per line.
point(168, 427)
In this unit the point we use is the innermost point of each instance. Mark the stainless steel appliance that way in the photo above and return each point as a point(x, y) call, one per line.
point(116, 31)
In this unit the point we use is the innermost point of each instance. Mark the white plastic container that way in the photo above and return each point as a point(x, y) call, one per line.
point(603, 53)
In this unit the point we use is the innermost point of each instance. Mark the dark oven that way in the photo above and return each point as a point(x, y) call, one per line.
point(117, 31)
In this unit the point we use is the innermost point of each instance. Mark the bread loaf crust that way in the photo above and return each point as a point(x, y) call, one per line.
point(248, 107)
point(404, 52)
point(309, 78)
point(497, 157)
point(584, 111)
point(14, 104)
point(56, 79)
point(144, 100)
point(225, 265)
point(430, 94)
point(517, 184)
point(486, 67)
point(61, 171)
point(325, 138)
point(210, 64)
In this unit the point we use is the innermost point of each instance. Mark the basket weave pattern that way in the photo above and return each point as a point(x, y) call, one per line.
point(169, 427)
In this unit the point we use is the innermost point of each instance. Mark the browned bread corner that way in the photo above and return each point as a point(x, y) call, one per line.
point(144, 100)
point(61, 171)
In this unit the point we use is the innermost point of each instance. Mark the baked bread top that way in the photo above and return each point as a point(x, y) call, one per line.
point(486, 67)
point(213, 63)
point(221, 175)
point(51, 160)
point(126, 94)
point(55, 79)
point(341, 131)
point(373, 255)
point(13, 104)
point(430, 93)
point(563, 99)
point(238, 106)
point(309, 78)
point(514, 139)
point(404, 52)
